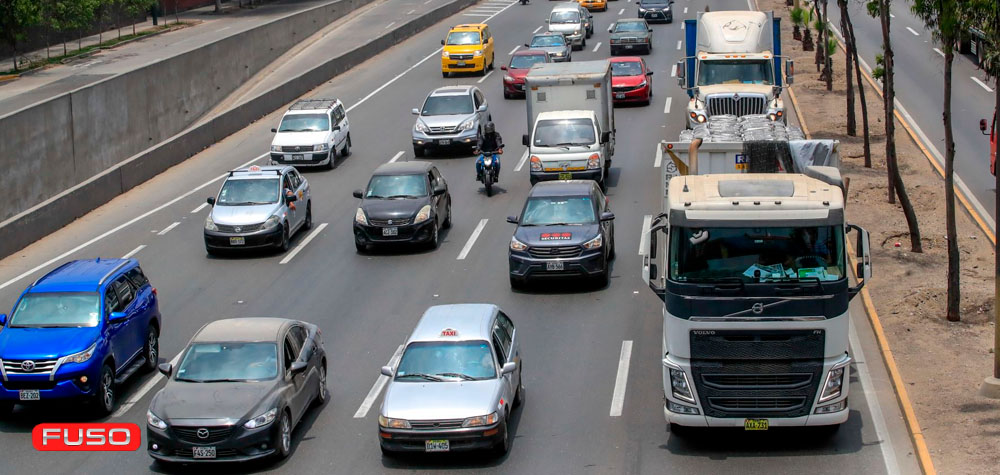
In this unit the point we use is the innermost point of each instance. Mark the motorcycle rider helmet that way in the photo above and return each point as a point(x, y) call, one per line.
point(490, 128)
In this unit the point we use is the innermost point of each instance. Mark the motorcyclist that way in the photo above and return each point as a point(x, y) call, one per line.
point(489, 143)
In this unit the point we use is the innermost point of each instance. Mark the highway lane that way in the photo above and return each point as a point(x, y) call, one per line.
point(367, 304)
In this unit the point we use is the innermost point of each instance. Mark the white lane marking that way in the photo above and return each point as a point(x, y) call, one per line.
point(618, 399)
point(168, 228)
point(597, 46)
point(199, 208)
point(939, 52)
point(659, 157)
point(892, 16)
point(477, 14)
point(514, 50)
point(868, 388)
point(682, 26)
point(303, 244)
point(428, 1)
point(621, 11)
point(536, 30)
point(673, 71)
point(666, 107)
point(520, 164)
point(480, 81)
point(679, 44)
point(981, 83)
point(647, 221)
point(685, 10)
point(121, 226)
point(389, 25)
point(377, 387)
point(134, 251)
point(142, 391)
point(396, 156)
point(411, 11)
point(913, 31)
point(472, 239)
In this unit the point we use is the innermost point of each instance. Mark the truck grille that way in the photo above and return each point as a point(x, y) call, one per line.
point(391, 222)
point(737, 104)
point(555, 251)
point(34, 367)
point(436, 425)
point(768, 404)
point(243, 228)
point(297, 148)
point(769, 381)
point(214, 434)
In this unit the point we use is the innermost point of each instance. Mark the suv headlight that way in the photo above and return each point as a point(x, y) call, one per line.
point(360, 218)
point(391, 423)
point(833, 385)
point(154, 421)
point(276, 148)
point(516, 245)
point(477, 53)
point(421, 127)
point(679, 386)
point(209, 224)
point(261, 420)
point(479, 421)
point(423, 215)
point(321, 147)
point(82, 356)
point(594, 243)
point(466, 124)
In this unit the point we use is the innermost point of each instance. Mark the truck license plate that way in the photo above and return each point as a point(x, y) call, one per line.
point(554, 265)
point(436, 446)
point(619, 95)
point(237, 241)
point(755, 424)
point(393, 231)
point(28, 395)
point(203, 452)
point(298, 157)
point(565, 176)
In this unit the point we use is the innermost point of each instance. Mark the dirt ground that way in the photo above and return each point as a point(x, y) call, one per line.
point(942, 363)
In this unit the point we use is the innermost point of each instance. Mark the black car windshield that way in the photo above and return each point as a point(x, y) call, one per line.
point(447, 105)
point(443, 360)
point(735, 72)
point(564, 132)
point(305, 123)
point(626, 68)
point(548, 40)
point(57, 309)
point(463, 38)
point(217, 362)
point(248, 192)
point(396, 186)
point(565, 210)
point(625, 26)
point(565, 16)
point(526, 61)
point(757, 254)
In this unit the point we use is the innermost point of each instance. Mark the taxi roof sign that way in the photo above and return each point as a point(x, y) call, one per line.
point(254, 168)
point(449, 332)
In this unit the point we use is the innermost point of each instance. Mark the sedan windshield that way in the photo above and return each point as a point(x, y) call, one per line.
point(305, 123)
point(548, 40)
point(218, 362)
point(396, 186)
point(463, 38)
point(57, 309)
point(565, 17)
point(442, 360)
point(735, 72)
point(447, 105)
point(757, 254)
point(526, 61)
point(564, 132)
point(623, 68)
point(248, 192)
point(564, 210)
point(624, 26)
point(655, 2)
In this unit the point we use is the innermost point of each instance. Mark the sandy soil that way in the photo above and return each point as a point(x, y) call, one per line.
point(942, 363)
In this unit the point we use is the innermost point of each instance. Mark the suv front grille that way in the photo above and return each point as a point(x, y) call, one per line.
point(243, 228)
point(555, 251)
point(436, 425)
point(442, 130)
point(738, 105)
point(36, 366)
point(297, 148)
point(215, 434)
point(390, 222)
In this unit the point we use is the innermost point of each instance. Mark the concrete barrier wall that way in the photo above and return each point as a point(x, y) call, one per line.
point(105, 183)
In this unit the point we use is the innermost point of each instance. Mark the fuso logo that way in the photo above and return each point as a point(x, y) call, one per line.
point(86, 437)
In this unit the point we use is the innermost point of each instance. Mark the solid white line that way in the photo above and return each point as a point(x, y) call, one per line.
point(666, 109)
point(520, 164)
point(134, 251)
point(939, 52)
point(168, 228)
point(682, 26)
point(306, 241)
point(142, 391)
point(981, 83)
point(751, 6)
point(597, 46)
point(878, 417)
point(673, 71)
point(199, 208)
point(679, 44)
point(892, 16)
point(514, 50)
point(396, 156)
point(618, 399)
point(472, 239)
point(621, 11)
point(536, 30)
point(647, 221)
point(377, 387)
point(428, 1)
point(480, 81)
point(913, 31)
point(389, 25)
point(477, 14)
point(411, 11)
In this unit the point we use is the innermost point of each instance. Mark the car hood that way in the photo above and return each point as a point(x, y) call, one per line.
point(300, 138)
point(738, 88)
point(243, 215)
point(627, 81)
point(184, 403)
point(44, 343)
point(445, 120)
point(565, 27)
point(517, 73)
point(444, 400)
point(542, 236)
point(394, 209)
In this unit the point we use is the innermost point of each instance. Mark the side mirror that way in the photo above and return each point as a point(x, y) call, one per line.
point(482, 108)
point(546, 20)
point(359, 194)
point(649, 73)
point(440, 190)
point(503, 68)
point(291, 198)
point(442, 42)
point(982, 126)
point(415, 111)
point(608, 216)
point(681, 70)
point(512, 219)
point(166, 368)
point(649, 29)
point(525, 140)
point(605, 137)
point(864, 255)
point(526, 45)
point(298, 367)
point(3, 319)
point(387, 371)
point(116, 316)
point(274, 131)
point(610, 28)
point(336, 128)
point(508, 368)
point(790, 71)
point(211, 201)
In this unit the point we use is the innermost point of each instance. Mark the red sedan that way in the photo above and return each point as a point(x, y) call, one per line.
point(631, 80)
point(520, 63)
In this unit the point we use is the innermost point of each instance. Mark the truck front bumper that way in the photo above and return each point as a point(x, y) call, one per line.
point(595, 174)
point(688, 420)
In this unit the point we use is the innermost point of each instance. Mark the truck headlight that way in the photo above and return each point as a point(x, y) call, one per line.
point(775, 114)
point(272, 222)
point(421, 127)
point(833, 385)
point(360, 218)
point(261, 420)
point(536, 164)
point(391, 423)
point(679, 386)
point(480, 421)
point(594, 162)
point(477, 53)
point(82, 356)
point(276, 148)
point(154, 421)
point(516, 245)
point(595, 243)
point(698, 116)
point(209, 224)
point(423, 215)
point(467, 124)
point(321, 147)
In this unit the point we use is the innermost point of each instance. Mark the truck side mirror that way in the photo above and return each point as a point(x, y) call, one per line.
point(790, 71)
point(982, 126)
point(863, 269)
point(681, 70)
point(525, 140)
point(605, 137)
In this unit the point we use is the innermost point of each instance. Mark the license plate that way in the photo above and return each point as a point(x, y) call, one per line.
point(298, 157)
point(461, 63)
point(565, 176)
point(554, 265)
point(203, 452)
point(28, 395)
point(436, 446)
point(519, 87)
point(619, 95)
point(755, 424)
point(237, 241)
point(628, 46)
point(393, 231)
point(444, 142)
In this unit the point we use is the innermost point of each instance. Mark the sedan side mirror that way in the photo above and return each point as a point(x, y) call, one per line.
point(298, 367)
point(610, 28)
point(649, 73)
point(211, 200)
point(607, 216)
point(508, 368)
point(387, 371)
point(440, 190)
point(117, 316)
point(336, 128)
point(274, 131)
point(415, 111)
point(3, 319)
point(982, 126)
point(503, 68)
point(166, 368)
point(359, 194)
point(526, 45)
point(291, 198)
point(525, 140)
point(512, 219)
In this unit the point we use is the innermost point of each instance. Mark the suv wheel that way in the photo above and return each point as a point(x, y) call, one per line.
point(151, 350)
point(106, 391)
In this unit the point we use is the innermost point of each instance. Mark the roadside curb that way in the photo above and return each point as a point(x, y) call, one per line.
point(9, 77)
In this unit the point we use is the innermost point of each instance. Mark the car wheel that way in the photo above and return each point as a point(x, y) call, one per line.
point(309, 216)
point(347, 147)
point(386, 452)
point(603, 280)
point(151, 350)
point(503, 445)
point(284, 442)
point(211, 252)
point(323, 394)
point(482, 72)
point(418, 151)
point(507, 95)
point(106, 391)
point(286, 241)
point(434, 241)
point(360, 246)
point(447, 220)
point(516, 283)
point(583, 44)
point(6, 408)
point(612, 254)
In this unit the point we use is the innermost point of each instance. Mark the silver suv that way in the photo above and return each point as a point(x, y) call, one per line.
point(450, 116)
point(313, 132)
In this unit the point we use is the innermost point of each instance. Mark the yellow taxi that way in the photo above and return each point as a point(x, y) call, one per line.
point(467, 48)
point(593, 5)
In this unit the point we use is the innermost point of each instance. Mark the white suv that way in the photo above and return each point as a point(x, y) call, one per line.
point(312, 133)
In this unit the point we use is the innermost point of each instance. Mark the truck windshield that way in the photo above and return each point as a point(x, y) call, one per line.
point(447, 105)
point(248, 192)
point(565, 17)
point(735, 72)
point(437, 360)
point(305, 123)
point(757, 254)
point(564, 132)
point(57, 310)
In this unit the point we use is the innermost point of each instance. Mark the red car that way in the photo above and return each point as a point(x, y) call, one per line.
point(520, 63)
point(631, 80)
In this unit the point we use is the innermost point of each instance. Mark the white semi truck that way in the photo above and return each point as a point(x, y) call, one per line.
point(732, 65)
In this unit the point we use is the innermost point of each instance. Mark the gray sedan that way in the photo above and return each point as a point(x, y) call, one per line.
point(629, 36)
point(555, 44)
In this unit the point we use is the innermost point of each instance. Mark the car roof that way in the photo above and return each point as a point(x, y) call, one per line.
point(562, 188)
point(81, 275)
point(403, 168)
point(452, 90)
point(631, 20)
point(574, 6)
point(242, 329)
point(469, 27)
point(625, 59)
point(255, 172)
point(470, 321)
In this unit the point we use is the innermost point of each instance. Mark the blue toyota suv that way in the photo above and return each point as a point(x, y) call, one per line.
point(77, 332)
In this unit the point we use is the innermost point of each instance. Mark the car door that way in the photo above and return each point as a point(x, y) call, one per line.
point(343, 123)
point(308, 378)
point(515, 347)
point(501, 344)
point(129, 341)
point(144, 300)
point(301, 190)
point(293, 214)
point(115, 330)
point(488, 44)
point(296, 383)
point(604, 206)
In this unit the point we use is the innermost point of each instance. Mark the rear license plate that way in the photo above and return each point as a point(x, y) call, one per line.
point(755, 424)
point(436, 446)
point(619, 95)
point(203, 452)
point(554, 265)
point(393, 231)
point(565, 176)
point(444, 142)
point(628, 46)
point(28, 395)
point(237, 241)
point(461, 64)
point(298, 157)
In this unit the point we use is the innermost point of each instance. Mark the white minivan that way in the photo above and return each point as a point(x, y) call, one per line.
point(573, 21)
point(312, 133)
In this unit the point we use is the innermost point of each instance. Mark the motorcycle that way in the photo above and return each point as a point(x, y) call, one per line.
point(490, 168)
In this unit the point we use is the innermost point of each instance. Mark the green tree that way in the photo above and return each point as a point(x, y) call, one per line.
point(16, 16)
point(72, 16)
point(135, 7)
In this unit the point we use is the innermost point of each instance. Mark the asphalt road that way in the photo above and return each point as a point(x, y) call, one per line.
point(367, 304)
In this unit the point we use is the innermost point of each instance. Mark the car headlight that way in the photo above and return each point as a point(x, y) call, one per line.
point(833, 385)
point(276, 148)
point(642, 10)
point(421, 127)
point(557, 53)
point(423, 215)
point(321, 147)
point(679, 386)
point(154, 421)
point(82, 356)
point(536, 164)
point(576, 31)
point(444, 54)
point(643, 83)
point(391, 423)
point(516, 245)
point(477, 53)
point(594, 162)
point(508, 79)
point(595, 243)
point(272, 222)
point(360, 218)
point(479, 421)
point(209, 224)
point(261, 420)
point(467, 124)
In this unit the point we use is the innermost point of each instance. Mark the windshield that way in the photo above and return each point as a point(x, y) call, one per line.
point(565, 17)
point(441, 360)
point(623, 68)
point(526, 62)
point(564, 132)
point(305, 123)
point(217, 362)
point(57, 309)
point(463, 38)
point(735, 72)
point(447, 105)
point(544, 211)
point(630, 26)
point(396, 186)
point(654, 2)
point(757, 254)
point(248, 192)
point(548, 40)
